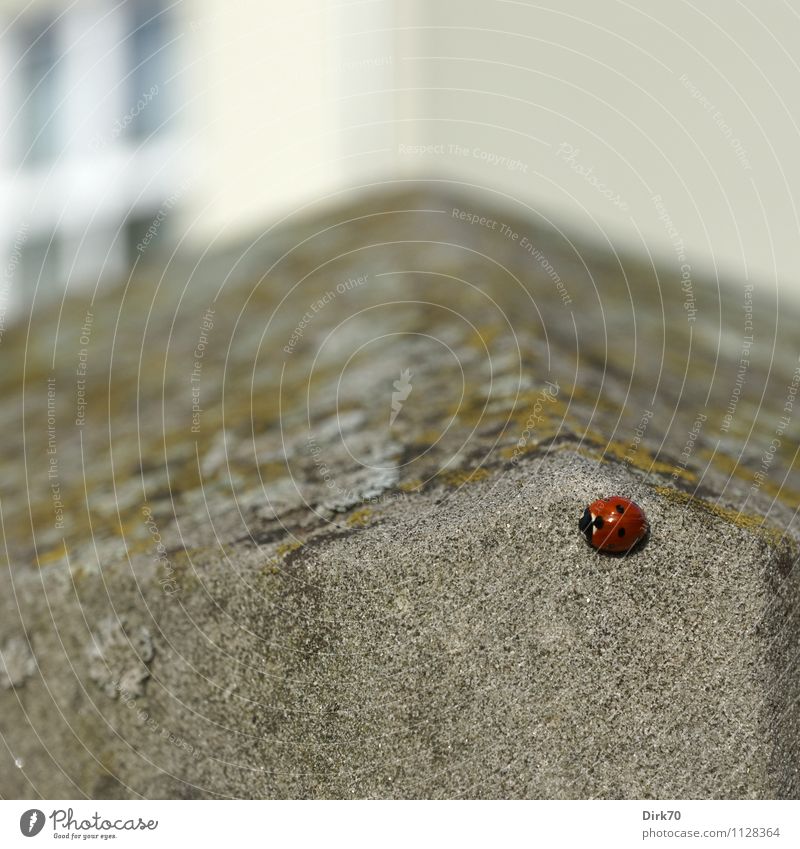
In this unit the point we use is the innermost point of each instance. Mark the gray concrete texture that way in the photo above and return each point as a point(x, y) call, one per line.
point(357, 572)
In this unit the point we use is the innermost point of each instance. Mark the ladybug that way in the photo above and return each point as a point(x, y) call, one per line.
point(613, 524)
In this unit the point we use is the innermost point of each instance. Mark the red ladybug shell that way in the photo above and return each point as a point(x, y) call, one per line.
point(613, 524)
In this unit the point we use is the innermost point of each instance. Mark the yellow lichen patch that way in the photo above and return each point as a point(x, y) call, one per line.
point(546, 418)
point(458, 477)
point(639, 458)
point(138, 547)
point(273, 565)
point(53, 555)
point(483, 337)
point(413, 485)
point(470, 410)
point(360, 518)
point(726, 464)
point(790, 497)
point(586, 399)
point(644, 460)
point(286, 547)
point(592, 436)
point(428, 437)
point(272, 470)
point(747, 521)
point(184, 478)
point(129, 524)
point(670, 469)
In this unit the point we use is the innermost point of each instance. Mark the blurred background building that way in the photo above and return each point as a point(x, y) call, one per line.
point(91, 130)
point(129, 126)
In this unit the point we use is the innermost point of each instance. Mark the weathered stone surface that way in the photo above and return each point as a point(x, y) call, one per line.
point(357, 571)
point(17, 662)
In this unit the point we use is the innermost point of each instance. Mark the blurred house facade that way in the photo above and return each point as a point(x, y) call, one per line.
point(129, 124)
point(88, 142)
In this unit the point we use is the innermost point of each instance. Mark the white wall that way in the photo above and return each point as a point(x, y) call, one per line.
point(521, 79)
point(282, 111)
point(584, 99)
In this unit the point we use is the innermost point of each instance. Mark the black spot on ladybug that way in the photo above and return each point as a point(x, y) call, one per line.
point(620, 509)
point(621, 532)
point(598, 522)
point(585, 524)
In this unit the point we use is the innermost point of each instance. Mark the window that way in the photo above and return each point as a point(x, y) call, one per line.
point(39, 92)
point(150, 54)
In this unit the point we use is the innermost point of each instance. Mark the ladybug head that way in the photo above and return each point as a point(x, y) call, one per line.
point(589, 521)
point(586, 524)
